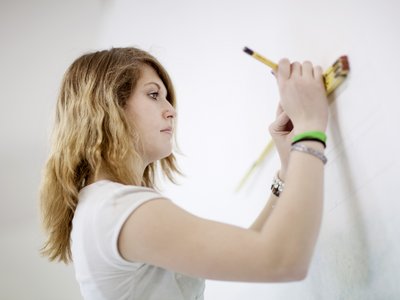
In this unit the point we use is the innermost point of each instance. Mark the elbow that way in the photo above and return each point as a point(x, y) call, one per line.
point(299, 274)
point(286, 266)
point(290, 274)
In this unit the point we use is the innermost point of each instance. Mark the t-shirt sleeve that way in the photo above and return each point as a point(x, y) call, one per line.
point(110, 216)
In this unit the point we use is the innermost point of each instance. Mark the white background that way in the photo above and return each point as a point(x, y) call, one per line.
point(226, 100)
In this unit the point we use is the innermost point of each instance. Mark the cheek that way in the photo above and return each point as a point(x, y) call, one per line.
point(136, 121)
point(141, 119)
point(146, 130)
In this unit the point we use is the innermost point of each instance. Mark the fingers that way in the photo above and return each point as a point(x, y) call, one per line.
point(283, 119)
point(308, 69)
point(318, 72)
point(296, 70)
point(288, 70)
point(281, 124)
point(283, 69)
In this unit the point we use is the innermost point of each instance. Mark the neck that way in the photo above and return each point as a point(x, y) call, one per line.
point(104, 175)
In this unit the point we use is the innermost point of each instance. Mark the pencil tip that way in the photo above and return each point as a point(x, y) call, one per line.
point(248, 51)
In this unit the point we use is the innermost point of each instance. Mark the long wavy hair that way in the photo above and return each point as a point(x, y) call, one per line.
point(92, 133)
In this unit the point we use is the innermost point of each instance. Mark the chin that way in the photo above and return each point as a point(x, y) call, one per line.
point(164, 155)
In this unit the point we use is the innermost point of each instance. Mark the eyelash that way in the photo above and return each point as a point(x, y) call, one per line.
point(156, 93)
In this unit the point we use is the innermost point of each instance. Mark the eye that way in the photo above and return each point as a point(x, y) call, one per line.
point(154, 95)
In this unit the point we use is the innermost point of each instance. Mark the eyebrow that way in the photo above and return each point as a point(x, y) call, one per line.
point(152, 82)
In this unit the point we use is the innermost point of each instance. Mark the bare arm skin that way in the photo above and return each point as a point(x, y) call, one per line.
point(258, 224)
point(279, 245)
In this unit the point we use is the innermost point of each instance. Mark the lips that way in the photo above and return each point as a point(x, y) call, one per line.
point(168, 129)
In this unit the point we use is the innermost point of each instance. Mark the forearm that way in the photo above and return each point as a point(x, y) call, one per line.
point(265, 213)
point(293, 228)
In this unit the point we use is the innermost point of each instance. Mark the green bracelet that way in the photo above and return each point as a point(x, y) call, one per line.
point(319, 135)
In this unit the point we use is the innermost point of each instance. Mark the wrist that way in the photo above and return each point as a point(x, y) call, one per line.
point(282, 173)
point(318, 136)
point(277, 185)
point(308, 127)
point(314, 144)
point(313, 150)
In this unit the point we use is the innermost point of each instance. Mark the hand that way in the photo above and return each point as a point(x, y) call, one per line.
point(303, 95)
point(281, 131)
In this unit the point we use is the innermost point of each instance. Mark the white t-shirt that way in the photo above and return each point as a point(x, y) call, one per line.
point(100, 270)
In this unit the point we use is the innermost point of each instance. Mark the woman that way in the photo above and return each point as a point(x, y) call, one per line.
point(115, 121)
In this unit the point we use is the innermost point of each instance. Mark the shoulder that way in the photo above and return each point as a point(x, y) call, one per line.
point(108, 193)
point(108, 203)
point(108, 186)
point(103, 208)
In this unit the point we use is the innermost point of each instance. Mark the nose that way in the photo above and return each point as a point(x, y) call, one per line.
point(170, 112)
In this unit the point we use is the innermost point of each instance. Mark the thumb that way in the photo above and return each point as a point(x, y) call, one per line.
point(279, 109)
point(281, 123)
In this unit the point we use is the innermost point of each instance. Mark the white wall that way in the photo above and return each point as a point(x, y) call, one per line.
point(226, 101)
point(39, 39)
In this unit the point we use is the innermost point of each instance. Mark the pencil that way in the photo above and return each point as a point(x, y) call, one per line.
point(333, 77)
point(261, 58)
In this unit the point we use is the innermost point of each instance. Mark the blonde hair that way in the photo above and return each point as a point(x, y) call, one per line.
point(92, 133)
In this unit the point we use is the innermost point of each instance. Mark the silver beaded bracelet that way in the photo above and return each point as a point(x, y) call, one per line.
point(277, 185)
point(303, 148)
